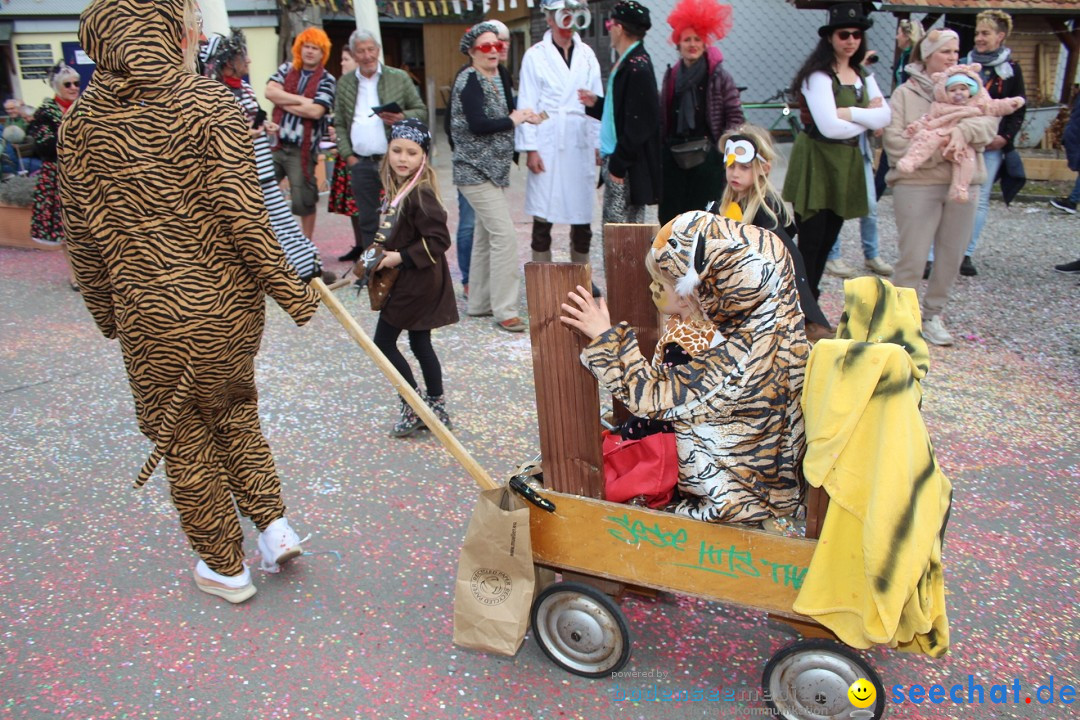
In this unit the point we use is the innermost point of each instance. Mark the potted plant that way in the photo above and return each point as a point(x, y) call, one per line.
point(16, 207)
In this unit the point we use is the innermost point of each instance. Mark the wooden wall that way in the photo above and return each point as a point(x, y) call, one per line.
point(442, 58)
point(1038, 56)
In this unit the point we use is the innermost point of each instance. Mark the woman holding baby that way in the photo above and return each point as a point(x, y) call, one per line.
point(925, 215)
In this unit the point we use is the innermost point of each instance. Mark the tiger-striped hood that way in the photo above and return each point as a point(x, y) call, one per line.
point(135, 43)
point(731, 271)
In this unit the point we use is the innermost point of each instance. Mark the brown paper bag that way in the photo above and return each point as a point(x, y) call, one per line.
point(495, 579)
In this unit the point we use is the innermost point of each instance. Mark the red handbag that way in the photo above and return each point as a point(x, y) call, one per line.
point(648, 467)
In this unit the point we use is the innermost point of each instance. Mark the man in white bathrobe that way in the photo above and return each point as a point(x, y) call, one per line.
point(562, 150)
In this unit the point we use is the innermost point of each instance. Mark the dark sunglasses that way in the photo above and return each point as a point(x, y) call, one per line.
point(491, 47)
point(848, 34)
point(71, 83)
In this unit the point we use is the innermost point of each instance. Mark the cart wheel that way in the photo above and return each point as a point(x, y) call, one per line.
point(581, 629)
point(809, 679)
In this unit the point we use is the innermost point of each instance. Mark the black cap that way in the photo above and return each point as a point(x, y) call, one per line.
point(631, 12)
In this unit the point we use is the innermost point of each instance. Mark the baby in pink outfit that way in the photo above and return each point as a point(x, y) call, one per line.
point(958, 94)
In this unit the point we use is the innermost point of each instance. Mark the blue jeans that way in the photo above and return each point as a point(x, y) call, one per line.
point(1074, 196)
point(466, 226)
point(868, 230)
point(993, 160)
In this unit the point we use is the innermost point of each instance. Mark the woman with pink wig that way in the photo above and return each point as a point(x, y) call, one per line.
point(699, 102)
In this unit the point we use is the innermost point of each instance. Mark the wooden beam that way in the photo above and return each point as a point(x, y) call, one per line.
point(628, 295)
point(567, 399)
point(1071, 40)
point(441, 432)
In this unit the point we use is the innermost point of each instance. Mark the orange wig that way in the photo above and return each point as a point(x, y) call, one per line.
point(313, 36)
point(708, 18)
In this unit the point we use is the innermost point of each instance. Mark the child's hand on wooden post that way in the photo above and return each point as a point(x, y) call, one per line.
point(590, 317)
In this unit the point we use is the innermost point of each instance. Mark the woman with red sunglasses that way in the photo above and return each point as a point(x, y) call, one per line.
point(840, 101)
point(482, 121)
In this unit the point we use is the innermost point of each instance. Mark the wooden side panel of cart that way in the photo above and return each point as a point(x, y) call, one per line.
point(669, 552)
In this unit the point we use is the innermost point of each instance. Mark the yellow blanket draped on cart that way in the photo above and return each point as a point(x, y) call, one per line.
point(876, 575)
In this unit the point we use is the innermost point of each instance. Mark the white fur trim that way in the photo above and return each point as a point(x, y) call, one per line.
point(686, 285)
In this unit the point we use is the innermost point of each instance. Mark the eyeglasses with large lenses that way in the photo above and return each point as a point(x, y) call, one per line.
point(71, 83)
point(848, 34)
point(568, 19)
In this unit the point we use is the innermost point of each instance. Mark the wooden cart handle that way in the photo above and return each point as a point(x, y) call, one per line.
point(406, 391)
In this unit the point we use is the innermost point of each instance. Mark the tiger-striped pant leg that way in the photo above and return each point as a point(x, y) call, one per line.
point(249, 464)
point(199, 487)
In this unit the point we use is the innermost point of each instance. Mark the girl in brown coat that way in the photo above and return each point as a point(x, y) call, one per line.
point(422, 297)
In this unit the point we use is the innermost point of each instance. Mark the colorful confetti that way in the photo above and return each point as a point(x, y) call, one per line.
point(100, 618)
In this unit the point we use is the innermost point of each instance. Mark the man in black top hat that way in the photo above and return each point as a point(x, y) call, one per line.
point(629, 119)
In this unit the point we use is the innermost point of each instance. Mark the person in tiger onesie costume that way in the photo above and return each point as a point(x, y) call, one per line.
point(734, 407)
point(173, 251)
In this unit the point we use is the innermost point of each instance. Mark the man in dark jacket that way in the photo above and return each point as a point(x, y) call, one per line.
point(629, 119)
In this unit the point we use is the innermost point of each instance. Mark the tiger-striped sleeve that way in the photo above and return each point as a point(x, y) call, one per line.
point(86, 261)
point(666, 392)
point(239, 201)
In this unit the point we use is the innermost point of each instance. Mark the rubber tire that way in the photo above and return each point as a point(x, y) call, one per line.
point(591, 601)
point(837, 652)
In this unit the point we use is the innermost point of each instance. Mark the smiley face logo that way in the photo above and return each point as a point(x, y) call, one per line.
point(862, 693)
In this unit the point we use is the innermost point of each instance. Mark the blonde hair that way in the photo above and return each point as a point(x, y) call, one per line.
point(756, 196)
point(393, 184)
point(663, 277)
point(193, 32)
point(1001, 21)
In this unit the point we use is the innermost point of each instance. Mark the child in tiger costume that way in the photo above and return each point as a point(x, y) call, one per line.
point(735, 407)
point(173, 250)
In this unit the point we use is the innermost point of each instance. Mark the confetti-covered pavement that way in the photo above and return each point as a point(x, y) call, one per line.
point(100, 618)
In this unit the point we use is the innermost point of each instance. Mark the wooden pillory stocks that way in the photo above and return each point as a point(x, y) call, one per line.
point(567, 397)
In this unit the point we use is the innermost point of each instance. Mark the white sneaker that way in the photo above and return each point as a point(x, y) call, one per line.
point(839, 268)
point(235, 588)
point(879, 266)
point(278, 544)
point(934, 331)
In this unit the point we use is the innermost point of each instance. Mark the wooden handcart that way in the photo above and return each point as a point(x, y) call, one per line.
point(604, 548)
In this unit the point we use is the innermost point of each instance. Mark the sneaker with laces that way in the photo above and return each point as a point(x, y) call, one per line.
point(879, 267)
point(278, 544)
point(235, 588)
point(839, 268)
point(934, 331)
point(1064, 204)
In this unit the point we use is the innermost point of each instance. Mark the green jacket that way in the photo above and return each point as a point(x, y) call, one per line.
point(394, 86)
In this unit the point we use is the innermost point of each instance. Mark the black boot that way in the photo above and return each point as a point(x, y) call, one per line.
point(541, 238)
point(408, 423)
point(967, 268)
point(351, 256)
point(438, 406)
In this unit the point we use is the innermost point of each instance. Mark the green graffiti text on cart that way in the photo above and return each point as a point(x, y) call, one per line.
point(729, 561)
